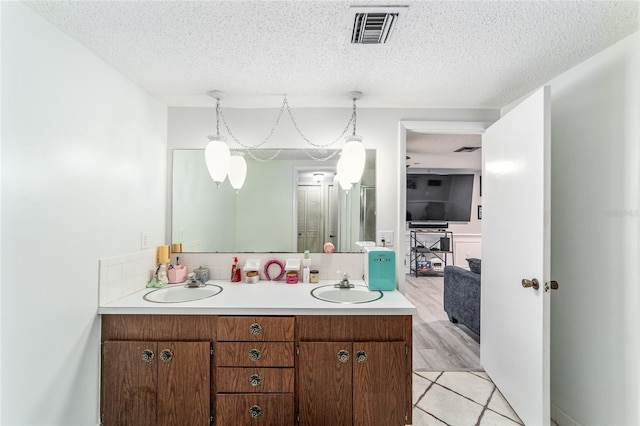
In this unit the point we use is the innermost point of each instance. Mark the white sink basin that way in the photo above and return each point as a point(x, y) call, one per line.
point(181, 294)
point(356, 294)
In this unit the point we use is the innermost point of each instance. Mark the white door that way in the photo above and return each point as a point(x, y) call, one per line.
point(514, 343)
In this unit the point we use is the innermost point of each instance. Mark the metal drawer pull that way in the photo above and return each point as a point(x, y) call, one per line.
point(361, 356)
point(147, 355)
point(255, 411)
point(255, 329)
point(255, 380)
point(255, 355)
point(343, 356)
point(166, 355)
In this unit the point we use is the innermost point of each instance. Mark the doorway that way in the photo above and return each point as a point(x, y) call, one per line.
point(440, 345)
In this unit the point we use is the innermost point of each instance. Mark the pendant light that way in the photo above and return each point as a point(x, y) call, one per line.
point(237, 170)
point(341, 176)
point(353, 152)
point(217, 154)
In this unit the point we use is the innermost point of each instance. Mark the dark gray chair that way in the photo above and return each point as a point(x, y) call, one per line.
point(462, 297)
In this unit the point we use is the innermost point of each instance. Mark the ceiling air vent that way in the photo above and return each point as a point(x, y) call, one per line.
point(374, 25)
point(467, 149)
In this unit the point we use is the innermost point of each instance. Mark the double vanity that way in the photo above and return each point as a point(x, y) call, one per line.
point(257, 354)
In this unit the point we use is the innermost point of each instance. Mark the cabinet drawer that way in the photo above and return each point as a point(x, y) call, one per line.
point(254, 354)
point(258, 329)
point(255, 409)
point(254, 380)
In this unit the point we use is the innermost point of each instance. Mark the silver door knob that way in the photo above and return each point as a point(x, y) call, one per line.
point(531, 283)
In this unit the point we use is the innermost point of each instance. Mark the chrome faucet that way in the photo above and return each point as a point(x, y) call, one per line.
point(344, 283)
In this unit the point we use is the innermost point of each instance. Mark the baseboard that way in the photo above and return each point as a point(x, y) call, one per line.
point(562, 418)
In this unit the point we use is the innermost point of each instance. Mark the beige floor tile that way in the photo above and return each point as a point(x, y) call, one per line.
point(467, 384)
point(430, 375)
point(420, 385)
point(481, 374)
point(493, 419)
point(500, 405)
point(420, 418)
point(449, 407)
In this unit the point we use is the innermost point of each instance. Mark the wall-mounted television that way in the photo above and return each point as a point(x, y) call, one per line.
point(439, 197)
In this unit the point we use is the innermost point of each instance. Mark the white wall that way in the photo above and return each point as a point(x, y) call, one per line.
point(594, 245)
point(380, 128)
point(83, 173)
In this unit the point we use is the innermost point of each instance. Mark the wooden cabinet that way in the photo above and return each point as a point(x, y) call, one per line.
point(275, 370)
point(255, 370)
point(155, 383)
point(156, 369)
point(365, 381)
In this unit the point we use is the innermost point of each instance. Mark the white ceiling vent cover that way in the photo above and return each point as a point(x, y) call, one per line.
point(375, 24)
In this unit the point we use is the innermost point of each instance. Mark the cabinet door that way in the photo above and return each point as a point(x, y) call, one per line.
point(325, 383)
point(184, 371)
point(379, 378)
point(129, 383)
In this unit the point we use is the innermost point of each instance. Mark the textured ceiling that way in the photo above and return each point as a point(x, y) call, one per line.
point(444, 54)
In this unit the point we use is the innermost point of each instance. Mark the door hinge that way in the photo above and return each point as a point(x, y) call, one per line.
point(211, 351)
point(406, 415)
point(298, 350)
point(212, 418)
point(101, 419)
point(298, 418)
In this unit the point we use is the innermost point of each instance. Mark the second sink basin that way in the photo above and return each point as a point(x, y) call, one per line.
point(356, 294)
point(181, 294)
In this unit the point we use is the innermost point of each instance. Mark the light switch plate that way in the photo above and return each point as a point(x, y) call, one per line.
point(144, 240)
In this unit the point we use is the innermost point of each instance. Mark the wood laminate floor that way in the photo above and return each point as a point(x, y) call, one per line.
point(438, 344)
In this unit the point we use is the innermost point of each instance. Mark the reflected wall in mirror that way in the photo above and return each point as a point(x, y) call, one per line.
point(282, 206)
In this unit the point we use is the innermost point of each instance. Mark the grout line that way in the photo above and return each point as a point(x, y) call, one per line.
point(459, 394)
point(486, 406)
point(428, 413)
point(426, 390)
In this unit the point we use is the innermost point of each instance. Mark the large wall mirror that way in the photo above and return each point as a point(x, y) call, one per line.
point(290, 203)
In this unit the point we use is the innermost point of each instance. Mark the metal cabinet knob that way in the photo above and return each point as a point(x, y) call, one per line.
point(255, 411)
point(531, 283)
point(255, 355)
point(147, 355)
point(361, 356)
point(255, 380)
point(343, 356)
point(255, 329)
point(166, 355)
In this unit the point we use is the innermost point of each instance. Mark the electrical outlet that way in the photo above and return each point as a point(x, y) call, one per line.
point(385, 239)
point(144, 240)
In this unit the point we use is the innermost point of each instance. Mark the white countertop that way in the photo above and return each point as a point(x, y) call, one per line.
point(262, 298)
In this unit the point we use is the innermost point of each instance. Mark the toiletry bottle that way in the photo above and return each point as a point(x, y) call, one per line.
point(306, 263)
point(235, 272)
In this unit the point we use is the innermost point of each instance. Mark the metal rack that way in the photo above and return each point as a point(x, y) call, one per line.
point(427, 257)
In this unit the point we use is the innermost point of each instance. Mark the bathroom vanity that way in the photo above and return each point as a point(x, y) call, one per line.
point(257, 354)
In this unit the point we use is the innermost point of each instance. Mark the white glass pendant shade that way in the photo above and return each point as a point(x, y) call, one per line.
point(340, 175)
point(353, 158)
point(237, 171)
point(217, 157)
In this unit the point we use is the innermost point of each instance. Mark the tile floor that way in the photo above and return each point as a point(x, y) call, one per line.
point(467, 398)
